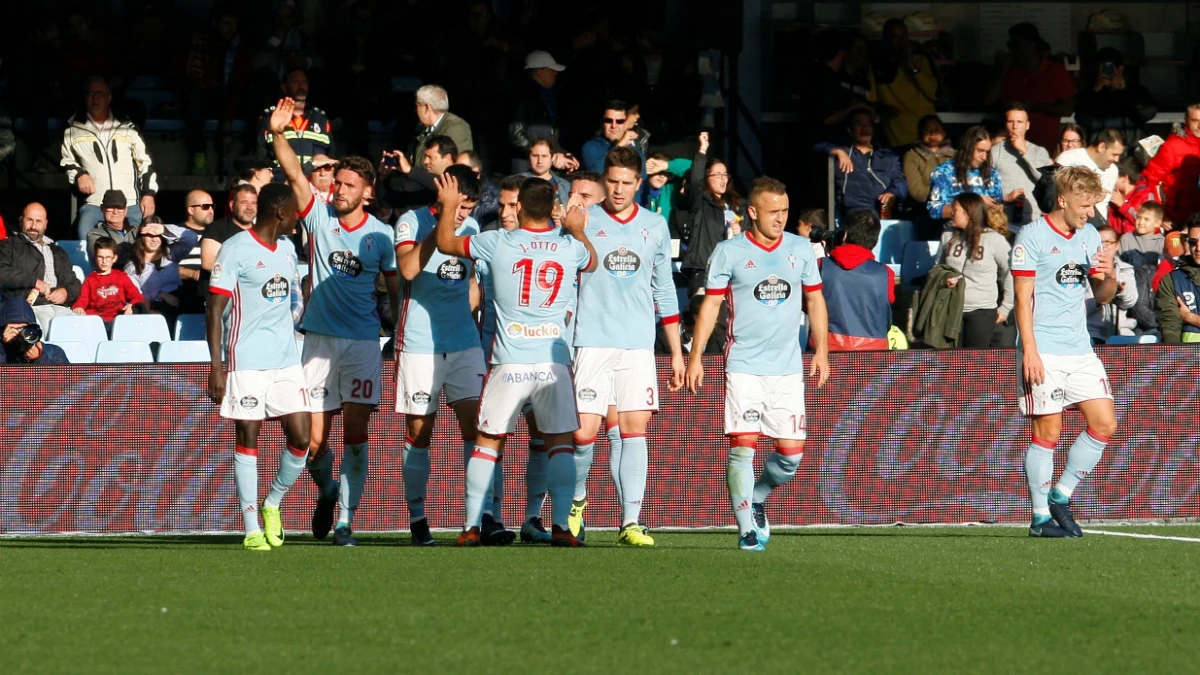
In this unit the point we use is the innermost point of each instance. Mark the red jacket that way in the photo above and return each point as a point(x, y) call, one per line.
point(1165, 267)
point(1124, 217)
point(1176, 168)
point(107, 295)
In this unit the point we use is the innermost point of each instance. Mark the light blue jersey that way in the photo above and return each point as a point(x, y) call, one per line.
point(257, 277)
point(617, 301)
point(530, 276)
point(435, 310)
point(1060, 265)
point(763, 288)
point(344, 262)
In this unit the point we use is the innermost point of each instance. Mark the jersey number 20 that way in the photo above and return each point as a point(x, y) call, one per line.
point(548, 277)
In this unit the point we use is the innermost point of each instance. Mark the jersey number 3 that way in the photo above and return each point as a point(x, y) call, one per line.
point(548, 277)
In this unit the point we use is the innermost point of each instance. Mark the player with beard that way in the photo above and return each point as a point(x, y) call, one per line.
point(347, 250)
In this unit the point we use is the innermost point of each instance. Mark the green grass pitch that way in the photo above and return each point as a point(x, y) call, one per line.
point(866, 600)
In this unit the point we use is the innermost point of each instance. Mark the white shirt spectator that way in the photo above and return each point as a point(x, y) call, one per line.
point(1108, 177)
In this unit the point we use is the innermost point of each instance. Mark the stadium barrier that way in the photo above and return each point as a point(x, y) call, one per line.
point(913, 437)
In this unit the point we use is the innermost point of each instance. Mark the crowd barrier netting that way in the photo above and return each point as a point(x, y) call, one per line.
point(914, 437)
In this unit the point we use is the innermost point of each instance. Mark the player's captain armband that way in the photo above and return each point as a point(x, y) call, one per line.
point(1018, 255)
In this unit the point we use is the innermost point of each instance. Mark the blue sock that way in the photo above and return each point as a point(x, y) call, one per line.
point(535, 478)
point(480, 468)
point(583, 464)
point(739, 476)
point(635, 461)
point(614, 455)
point(777, 470)
point(1082, 458)
point(415, 469)
point(354, 477)
point(290, 466)
point(560, 479)
point(1039, 471)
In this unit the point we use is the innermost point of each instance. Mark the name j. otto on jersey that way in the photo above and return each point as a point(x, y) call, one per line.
point(545, 331)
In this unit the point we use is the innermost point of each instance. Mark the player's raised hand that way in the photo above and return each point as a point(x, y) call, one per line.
point(576, 219)
point(678, 373)
point(448, 195)
point(1103, 262)
point(1031, 367)
point(820, 368)
point(694, 377)
point(216, 384)
point(281, 117)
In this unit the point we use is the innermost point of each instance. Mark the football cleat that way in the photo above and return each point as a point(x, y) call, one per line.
point(533, 532)
point(634, 534)
point(575, 520)
point(273, 525)
point(256, 542)
point(1048, 529)
point(564, 538)
point(420, 533)
point(750, 542)
point(468, 538)
point(322, 520)
point(493, 533)
point(761, 527)
point(342, 537)
point(1061, 512)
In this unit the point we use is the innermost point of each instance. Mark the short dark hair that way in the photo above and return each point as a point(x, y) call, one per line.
point(1152, 207)
point(815, 217)
point(536, 198)
point(275, 196)
point(104, 244)
point(926, 120)
point(766, 185)
point(1128, 168)
point(615, 104)
point(855, 114)
point(444, 144)
point(473, 159)
point(1015, 106)
point(512, 183)
point(468, 182)
point(359, 165)
point(1107, 137)
point(591, 176)
point(862, 228)
point(623, 158)
point(240, 188)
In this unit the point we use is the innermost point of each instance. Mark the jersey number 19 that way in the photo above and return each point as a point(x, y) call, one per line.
point(548, 276)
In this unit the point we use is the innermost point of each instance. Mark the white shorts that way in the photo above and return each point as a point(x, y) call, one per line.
point(626, 378)
point(770, 405)
point(548, 388)
point(421, 377)
point(341, 370)
point(264, 394)
point(1069, 380)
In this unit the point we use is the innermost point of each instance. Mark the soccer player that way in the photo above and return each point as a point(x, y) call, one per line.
point(759, 273)
point(437, 348)
point(249, 312)
point(1052, 259)
point(531, 358)
point(614, 337)
point(348, 249)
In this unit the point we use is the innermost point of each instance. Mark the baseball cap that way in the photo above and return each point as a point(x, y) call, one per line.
point(319, 161)
point(114, 199)
point(541, 59)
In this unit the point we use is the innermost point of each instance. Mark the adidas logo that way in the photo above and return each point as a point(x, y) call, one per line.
point(750, 265)
point(743, 506)
point(601, 234)
point(337, 232)
point(1054, 250)
point(260, 266)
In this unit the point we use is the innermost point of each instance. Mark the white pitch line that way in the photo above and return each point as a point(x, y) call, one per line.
point(1136, 535)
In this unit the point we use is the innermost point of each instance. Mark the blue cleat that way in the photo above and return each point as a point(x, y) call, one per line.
point(322, 520)
point(1060, 510)
point(493, 533)
point(534, 532)
point(420, 533)
point(342, 537)
point(761, 527)
point(750, 542)
point(1047, 529)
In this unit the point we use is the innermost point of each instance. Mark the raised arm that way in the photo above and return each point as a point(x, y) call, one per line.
point(574, 224)
point(280, 118)
point(449, 199)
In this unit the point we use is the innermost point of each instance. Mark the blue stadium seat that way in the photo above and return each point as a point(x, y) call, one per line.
point(76, 250)
point(919, 258)
point(86, 329)
point(1132, 340)
point(894, 236)
point(190, 327)
point(145, 328)
point(183, 351)
point(77, 352)
point(124, 352)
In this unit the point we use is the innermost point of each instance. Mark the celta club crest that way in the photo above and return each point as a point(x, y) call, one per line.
point(645, 235)
point(792, 260)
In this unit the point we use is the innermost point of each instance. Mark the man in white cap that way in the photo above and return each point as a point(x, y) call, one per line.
point(537, 112)
point(320, 179)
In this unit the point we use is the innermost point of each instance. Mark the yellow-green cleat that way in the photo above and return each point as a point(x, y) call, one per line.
point(634, 535)
point(256, 542)
point(273, 524)
point(575, 518)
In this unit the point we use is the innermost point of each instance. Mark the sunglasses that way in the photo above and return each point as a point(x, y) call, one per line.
point(1192, 241)
point(610, 120)
point(204, 207)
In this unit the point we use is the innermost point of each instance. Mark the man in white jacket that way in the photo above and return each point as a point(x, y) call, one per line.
point(102, 152)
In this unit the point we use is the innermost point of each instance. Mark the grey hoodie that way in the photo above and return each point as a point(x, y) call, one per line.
point(983, 273)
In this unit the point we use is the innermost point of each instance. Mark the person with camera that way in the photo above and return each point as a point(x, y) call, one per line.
point(859, 290)
point(22, 337)
point(1113, 101)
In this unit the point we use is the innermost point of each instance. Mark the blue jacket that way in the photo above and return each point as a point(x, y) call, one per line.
point(592, 156)
point(16, 310)
point(874, 174)
point(857, 290)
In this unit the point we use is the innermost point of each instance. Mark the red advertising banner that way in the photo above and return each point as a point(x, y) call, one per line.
point(914, 437)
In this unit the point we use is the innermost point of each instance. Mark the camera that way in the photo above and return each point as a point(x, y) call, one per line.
point(28, 337)
point(828, 238)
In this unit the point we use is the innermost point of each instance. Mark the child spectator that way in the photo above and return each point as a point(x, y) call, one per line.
point(1127, 197)
point(1142, 250)
point(1145, 243)
point(107, 292)
point(664, 179)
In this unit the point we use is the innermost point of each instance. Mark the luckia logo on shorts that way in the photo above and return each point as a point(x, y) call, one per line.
point(545, 331)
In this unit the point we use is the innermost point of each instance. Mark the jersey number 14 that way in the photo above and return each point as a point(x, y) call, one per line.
point(548, 276)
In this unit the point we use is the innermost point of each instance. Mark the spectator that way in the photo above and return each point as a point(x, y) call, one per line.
point(103, 152)
point(1173, 251)
point(253, 171)
point(716, 213)
point(589, 187)
point(242, 209)
point(664, 183)
point(1104, 321)
point(1018, 163)
point(537, 111)
point(30, 261)
point(320, 177)
point(153, 273)
point(185, 250)
point(1101, 156)
point(810, 221)
point(433, 113)
point(971, 170)
point(927, 154)
point(1111, 102)
point(487, 209)
point(980, 254)
point(1127, 198)
point(216, 72)
point(615, 132)
point(22, 337)
point(859, 291)
point(868, 176)
point(115, 226)
point(1070, 136)
point(309, 134)
point(1042, 84)
point(1178, 296)
point(905, 84)
point(438, 155)
point(1145, 243)
point(287, 49)
point(831, 96)
point(540, 166)
point(107, 292)
point(1174, 171)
